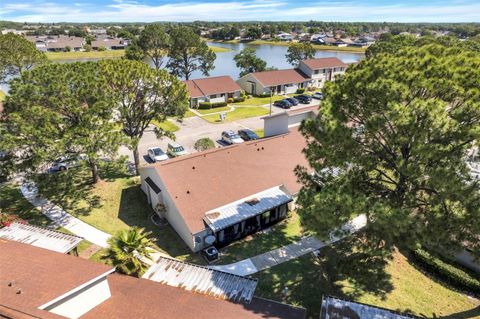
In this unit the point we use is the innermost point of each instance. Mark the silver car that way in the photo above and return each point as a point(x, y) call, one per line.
point(156, 154)
point(66, 162)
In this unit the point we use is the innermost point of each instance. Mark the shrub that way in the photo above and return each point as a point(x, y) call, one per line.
point(312, 88)
point(204, 144)
point(230, 100)
point(6, 219)
point(238, 99)
point(300, 91)
point(102, 49)
point(264, 94)
point(242, 93)
point(219, 104)
point(209, 105)
point(450, 273)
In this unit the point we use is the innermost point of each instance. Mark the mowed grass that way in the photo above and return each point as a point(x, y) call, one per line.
point(308, 279)
point(259, 101)
point(2, 96)
point(214, 110)
point(260, 133)
point(237, 114)
point(189, 113)
point(74, 55)
point(219, 49)
point(167, 125)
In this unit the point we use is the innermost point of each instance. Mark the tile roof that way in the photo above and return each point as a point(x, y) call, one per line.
point(40, 237)
point(211, 86)
point(200, 279)
point(200, 182)
point(40, 274)
point(280, 77)
point(142, 298)
point(323, 63)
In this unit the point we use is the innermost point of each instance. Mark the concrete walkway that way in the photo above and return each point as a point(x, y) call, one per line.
point(62, 218)
point(304, 246)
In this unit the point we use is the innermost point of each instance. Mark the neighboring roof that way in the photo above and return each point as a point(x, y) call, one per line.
point(41, 275)
point(211, 85)
point(324, 63)
point(333, 307)
point(142, 298)
point(233, 213)
point(279, 77)
point(108, 42)
point(199, 279)
point(200, 182)
point(40, 237)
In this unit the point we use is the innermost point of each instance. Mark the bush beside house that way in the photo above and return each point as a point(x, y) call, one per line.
point(209, 105)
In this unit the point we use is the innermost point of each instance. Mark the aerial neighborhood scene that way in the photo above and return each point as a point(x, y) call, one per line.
point(267, 159)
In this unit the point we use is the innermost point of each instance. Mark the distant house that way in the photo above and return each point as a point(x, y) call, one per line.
point(109, 43)
point(14, 31)
point(284, 36)
point(228, 193)
point(276, 81)
point(332, 41)
point(333, 307)
point(322, 70)
point(57, 43)
point(213, 89)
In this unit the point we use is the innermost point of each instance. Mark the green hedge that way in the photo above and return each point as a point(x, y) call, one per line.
point(448, 272)
point(300, 91)
point(238, 99)
point(208, 105)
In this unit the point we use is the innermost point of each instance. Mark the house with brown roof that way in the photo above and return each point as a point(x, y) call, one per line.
point(57, 43)
point(39, 283)
point(213, 89)
point(322, 70)
point(275, 81)
point(228, 193)
point(109, 43)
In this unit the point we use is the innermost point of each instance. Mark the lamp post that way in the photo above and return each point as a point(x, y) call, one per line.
point(271, 93)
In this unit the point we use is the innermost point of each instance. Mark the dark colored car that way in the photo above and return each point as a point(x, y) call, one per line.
point(292, 100)
point(303, 98)
point(284, 104)
point(247, 135)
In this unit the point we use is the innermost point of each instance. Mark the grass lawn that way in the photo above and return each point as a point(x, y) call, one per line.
point(219, 49)
point(73, 55)
point(308, 278)
point(260, 133)
point(2, 95)
point(167, 125)
point(214, 110)
point(259, 101)
point(283, 233)
point(237, 114)
point(189, 113)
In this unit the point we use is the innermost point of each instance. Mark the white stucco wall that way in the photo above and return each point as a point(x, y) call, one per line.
point(79, 303)
point(275, 124)
point(245, 83)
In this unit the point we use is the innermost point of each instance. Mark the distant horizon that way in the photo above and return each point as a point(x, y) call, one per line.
point(148, 11)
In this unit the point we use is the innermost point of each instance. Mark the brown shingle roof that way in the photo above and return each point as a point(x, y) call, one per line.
point(221, 176)
point(280, 77)
point(323, 63)
point(41, 275)
point(141, 298)
point(212, 85)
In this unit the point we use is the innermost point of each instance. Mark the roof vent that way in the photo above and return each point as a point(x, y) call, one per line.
point(10, 284)
point(258, 149)
point(188, 192)
point(263, 148)
point(193, 167)
point(19, 291)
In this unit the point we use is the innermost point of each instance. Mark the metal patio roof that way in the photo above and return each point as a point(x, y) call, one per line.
point(199, 279)
point(40, 237)
point(233, 213)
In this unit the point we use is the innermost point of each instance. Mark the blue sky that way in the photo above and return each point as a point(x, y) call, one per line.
point(239, 10)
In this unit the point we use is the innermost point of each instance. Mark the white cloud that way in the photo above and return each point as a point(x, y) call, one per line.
point(127, 10)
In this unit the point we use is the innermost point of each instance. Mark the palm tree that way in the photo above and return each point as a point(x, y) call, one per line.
point(129, 250)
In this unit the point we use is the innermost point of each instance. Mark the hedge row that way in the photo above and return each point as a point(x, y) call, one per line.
point(446, 271)
point(300, 91)
point(208, 105)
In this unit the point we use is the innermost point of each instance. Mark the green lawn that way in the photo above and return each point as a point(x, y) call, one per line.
point(214, 110)
point(237, 114)
point(308, 278)
point(189, 113)
point(167, 125)
point(260, 133)
point(218, 49)
point(283, 233)
point(259, 101)
point(2, 95)
point(73, 55)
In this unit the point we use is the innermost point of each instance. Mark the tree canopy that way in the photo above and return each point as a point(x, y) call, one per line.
point(390, 141)
point(248, 62)
point(16, 55)
point(189, 53)
point(154, 42)
point(298, 52)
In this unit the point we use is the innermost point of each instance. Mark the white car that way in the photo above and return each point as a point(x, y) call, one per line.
point(156, 154)
point(175, 149)
point(66, 162)
point(230, 137)
point(317, 95)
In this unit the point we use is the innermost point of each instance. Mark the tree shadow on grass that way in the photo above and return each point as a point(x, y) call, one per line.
point(467, 314)
point(135, 211)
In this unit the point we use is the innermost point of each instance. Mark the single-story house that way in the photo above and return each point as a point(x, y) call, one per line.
point(57, 43)
point(213, 89)
point(284, 36)
point(322, 69)
point(110, 43)
point(278, 81)
point(227, 193)
point(39, 283)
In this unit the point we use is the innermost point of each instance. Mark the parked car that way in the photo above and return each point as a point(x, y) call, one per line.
point(303, 98)
point(230, 137)
point(284, 104)
point(156, 154)
point(317, 95)
point(174, 149)
point(292, 100)
point(247, 135)
point(66, 162)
